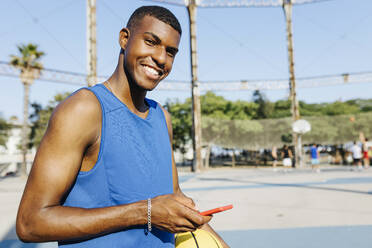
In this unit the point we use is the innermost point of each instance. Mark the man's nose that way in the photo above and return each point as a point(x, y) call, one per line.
point(160, 56)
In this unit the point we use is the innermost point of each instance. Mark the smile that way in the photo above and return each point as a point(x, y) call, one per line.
point(151, 72)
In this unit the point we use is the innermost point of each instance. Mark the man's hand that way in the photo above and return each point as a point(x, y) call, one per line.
point(176, 213)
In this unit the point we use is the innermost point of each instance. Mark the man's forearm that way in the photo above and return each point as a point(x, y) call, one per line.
point(69, 223)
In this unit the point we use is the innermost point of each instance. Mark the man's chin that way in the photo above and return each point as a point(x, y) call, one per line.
point(150, 87)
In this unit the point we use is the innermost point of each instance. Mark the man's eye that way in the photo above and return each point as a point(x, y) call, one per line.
point(171, 54)
point(150, 42)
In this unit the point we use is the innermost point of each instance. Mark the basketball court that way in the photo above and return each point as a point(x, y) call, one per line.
point(298, 208)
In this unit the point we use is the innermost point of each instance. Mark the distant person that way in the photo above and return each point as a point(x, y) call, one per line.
point(293, 151)
point(365, 150)
point(274, 155)
point(265, 156)
point(314, 155)
point(287, 157)
point(356, 152)
point(343, 153)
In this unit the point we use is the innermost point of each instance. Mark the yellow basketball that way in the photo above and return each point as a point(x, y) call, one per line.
point(197, 239)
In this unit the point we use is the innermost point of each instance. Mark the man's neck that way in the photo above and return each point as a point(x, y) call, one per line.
point(129, 93)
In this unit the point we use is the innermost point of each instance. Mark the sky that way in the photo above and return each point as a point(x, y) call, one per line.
point(330, 37)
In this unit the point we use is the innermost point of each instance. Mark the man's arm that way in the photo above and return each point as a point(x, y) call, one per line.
point(176, 186)
point(72, 130)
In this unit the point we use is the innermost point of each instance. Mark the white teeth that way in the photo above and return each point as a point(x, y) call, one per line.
point(151, 70)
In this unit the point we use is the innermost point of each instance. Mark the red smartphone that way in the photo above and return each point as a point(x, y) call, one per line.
point(216, 210)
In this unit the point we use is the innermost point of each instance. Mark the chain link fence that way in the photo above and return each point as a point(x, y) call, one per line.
point(266, 133)
point(250, 142)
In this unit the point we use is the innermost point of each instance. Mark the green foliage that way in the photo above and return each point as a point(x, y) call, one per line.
point(261, 122)
point(30, 69)
point(365, 105)
point(214, 107)
point(4, 132)
point(341, 108)
point(310, 109)
point(286, 138)
point(181, 123)
point(217, 107)
point(282, 108)
point(241, 110)
point(265, 108)
point(40, 116)
point(28, 59)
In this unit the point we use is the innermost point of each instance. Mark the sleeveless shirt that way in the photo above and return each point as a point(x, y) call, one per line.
point(286, 153)
point(134, 163)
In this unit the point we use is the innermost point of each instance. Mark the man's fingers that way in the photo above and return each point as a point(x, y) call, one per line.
point(184, 229)
point(176, 213)
point(187, 201)
point(191, 212)
point(197, 219)
point(191, 226)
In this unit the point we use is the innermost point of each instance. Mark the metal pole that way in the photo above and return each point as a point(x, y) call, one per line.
point(196, 109)
point(287, 7)
point(91, 43)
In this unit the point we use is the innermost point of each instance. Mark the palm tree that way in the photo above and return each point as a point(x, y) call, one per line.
point(30, 69)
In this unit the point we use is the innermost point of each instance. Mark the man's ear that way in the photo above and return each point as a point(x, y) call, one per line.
point(124, 37)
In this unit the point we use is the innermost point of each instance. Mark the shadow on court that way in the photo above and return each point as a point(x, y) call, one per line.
point(309, 185)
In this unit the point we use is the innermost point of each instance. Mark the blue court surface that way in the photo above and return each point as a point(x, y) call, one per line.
point(296, 209)
point(315, 237)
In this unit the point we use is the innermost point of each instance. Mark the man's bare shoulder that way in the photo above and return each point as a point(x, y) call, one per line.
point(79, 105)
point(81, 112)
point(167, 115)
point(168, 119)
point(83, 101)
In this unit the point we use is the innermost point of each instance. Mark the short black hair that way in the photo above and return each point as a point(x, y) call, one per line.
point(160, 13)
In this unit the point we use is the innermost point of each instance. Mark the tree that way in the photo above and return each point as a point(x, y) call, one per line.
point(265, 107)
point(28, 62)
point(341, 108)
point(4, 131)
point(40, 116)
point(181, 123)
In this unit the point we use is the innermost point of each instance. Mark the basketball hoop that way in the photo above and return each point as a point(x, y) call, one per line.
point(301, 126)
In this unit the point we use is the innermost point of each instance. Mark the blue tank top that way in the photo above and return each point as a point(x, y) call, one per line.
point(134, 163)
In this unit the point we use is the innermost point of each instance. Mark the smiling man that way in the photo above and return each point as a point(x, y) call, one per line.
point(104, 174)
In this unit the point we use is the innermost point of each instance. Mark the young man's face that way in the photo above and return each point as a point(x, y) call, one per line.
point(150, 52)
